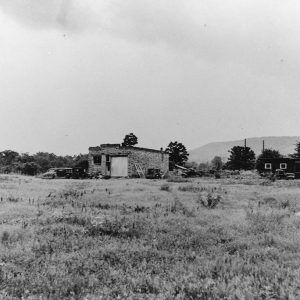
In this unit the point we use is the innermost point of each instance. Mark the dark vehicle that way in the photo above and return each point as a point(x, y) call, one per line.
point(153, 174)
point(290, 176)
point(281, 174)
point(49, 175)
point(79, 173)
point(75, 173)
point(63, 172)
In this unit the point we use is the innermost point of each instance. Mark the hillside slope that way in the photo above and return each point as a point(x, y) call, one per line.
point(285, 145)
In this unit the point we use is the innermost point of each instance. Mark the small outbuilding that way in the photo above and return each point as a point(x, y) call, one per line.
point(117, 161)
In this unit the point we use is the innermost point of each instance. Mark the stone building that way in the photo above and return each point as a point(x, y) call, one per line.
point(117, 161)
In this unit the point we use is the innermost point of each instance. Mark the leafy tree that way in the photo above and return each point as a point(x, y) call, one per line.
point(7, 157)
point(81, 161)
point(129, 140)
point(45, 160)
point(296, 154)
point(11, 161)
point(217, 163)
point(241, 158)
point(204, 166)
point(30, 168)
point(178, 154)
point(26, 157)
point(266, 154)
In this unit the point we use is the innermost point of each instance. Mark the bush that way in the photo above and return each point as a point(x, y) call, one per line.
point(210, 200)
point(217, 175)
point(5, 237)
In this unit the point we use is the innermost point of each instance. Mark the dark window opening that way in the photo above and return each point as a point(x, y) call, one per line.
point(97, 160)
point(107, 158)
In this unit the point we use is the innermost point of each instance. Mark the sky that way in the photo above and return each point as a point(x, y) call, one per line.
point(75, 73)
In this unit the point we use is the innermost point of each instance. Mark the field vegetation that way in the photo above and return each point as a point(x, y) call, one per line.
point(233, 238)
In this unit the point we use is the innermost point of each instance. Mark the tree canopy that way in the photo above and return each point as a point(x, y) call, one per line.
point(217, 163)
point(11, 161)
point(296, 154)
point(130, 140)
point(178, 154)
point(241, 158)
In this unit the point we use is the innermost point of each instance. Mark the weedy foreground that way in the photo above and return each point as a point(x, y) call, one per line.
point(235, 238)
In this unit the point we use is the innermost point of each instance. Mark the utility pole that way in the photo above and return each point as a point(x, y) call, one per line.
point(263, 149)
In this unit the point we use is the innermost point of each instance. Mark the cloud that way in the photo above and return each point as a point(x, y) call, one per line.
point(208, 29)
point(253, 33)
point(43, 14)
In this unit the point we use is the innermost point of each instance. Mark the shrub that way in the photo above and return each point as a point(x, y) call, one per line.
point(217, 175)
point(210, 200)
point(5, 237)
point(271, 201)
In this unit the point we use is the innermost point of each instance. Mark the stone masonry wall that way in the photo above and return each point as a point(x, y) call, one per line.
point(146, 158)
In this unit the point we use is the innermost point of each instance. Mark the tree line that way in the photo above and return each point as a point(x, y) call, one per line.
point(241, 158)
point(24, 163)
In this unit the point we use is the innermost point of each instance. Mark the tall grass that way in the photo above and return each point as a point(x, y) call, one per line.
point(168, 248)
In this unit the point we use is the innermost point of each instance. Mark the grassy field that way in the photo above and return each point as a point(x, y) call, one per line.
point(233, 238)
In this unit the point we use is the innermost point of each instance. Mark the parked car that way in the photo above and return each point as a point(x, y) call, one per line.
point(290, 176)
point(79, 173)
point(74, 173)
point(49, 175)
point(153, 174)
point(281, 174)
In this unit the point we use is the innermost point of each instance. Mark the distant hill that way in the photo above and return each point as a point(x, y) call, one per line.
point(284, 144)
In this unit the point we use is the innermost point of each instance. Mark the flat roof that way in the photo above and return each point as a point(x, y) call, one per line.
point(102, 146)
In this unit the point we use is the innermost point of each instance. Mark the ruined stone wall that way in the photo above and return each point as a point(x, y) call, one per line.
point(94, 168)
point(147, 160)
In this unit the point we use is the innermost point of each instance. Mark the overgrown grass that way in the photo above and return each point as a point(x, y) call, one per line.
point(88, 244)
